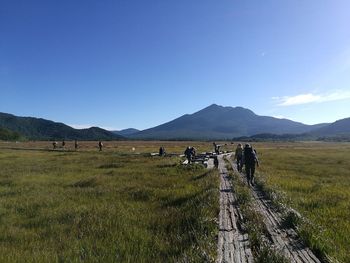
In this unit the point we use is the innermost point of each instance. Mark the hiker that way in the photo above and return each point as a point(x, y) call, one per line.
point(76, 145)
point(161, 151)
point(193, 152)
point(100, 145)
point(239, 157)
point(188, 154)
point(215, 148)
point(63, 144)
point(250, 159)
point(54, 145)
point(216, 161)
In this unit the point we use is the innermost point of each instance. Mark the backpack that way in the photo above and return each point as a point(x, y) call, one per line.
point(249, 156)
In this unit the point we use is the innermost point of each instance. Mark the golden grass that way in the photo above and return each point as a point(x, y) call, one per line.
point(105, 207)
point(314, 178)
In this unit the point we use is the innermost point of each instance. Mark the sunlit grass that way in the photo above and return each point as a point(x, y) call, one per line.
point(105, 207)
point(315, 179)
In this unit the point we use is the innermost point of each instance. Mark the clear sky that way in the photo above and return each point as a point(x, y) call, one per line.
point(128, 63)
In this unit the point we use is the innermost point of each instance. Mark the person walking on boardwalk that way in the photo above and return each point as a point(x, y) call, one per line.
point(250, 159)
point(216, 148)
point(216, 162)
point(100, 145)
point(239, 157)
point(76, 145)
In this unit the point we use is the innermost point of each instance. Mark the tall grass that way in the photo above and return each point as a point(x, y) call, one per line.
point(105, 207)
point(253, 222)
point(315, 180)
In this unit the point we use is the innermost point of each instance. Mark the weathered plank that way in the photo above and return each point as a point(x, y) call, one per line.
point(233, 245)
point(285, 241)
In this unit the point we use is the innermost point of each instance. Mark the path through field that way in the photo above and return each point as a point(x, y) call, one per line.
point(233, 243)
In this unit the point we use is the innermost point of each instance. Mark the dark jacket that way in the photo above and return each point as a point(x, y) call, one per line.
point(249, 156)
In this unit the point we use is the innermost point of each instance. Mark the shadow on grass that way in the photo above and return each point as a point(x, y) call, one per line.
point(140, 195)
point(180, 201)
point(201, 176)
point(111, 165)
point(89, 182)
point(167, 165)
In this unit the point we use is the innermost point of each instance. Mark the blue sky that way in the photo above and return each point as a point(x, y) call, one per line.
point(126, 63)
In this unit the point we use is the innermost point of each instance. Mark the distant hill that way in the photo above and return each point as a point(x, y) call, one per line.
point(263, 137)
point(7, 135)
point(211, 123)
point(337, 131)
point(218, 122)
point(41, 129)
point(340, 127)
point(126, 132)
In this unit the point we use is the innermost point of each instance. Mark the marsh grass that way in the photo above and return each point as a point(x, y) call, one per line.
point(253, 222)
point(314, 179)
point(105, 207)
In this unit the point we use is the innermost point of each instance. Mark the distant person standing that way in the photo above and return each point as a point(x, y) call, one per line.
point(63, 144)
point(100, 145)
point(161, 151)
point(188, 154)
point(54, 145)
point(76, 145)
point(193, 152)
point(239, 157)
point(250, 159)
point(215, 147)
point(216, 161)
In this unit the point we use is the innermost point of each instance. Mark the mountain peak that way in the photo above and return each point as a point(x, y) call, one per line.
point(220, 122)
point(213, 106)
point(218, 108)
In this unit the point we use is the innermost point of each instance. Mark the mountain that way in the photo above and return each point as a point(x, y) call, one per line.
point(218, 122)
point(126, 132)
point(338, 128)
point(337, 131)
point(41, 129)
point(274, 137)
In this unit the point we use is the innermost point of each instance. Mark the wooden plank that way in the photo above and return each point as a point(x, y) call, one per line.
point(233, 246)
point(286, 242)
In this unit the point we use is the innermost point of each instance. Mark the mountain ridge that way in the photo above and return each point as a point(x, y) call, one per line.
point(219, 122)
point(42, 129)
point(126, 132)
point(214, 122)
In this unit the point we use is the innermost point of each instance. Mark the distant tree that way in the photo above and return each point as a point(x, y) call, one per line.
point(7, 135)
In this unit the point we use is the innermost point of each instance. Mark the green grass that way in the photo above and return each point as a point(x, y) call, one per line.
point(315, 180)
point(105, 207)
point(253, 223)
point(118, 207)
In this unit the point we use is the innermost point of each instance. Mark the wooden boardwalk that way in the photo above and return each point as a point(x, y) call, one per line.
point(284, 241)
point(233, 244)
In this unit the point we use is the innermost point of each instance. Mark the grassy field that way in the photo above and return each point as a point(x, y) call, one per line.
point(123, 205)
point(314, 178)
point(123, 147)
point(105, 206)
